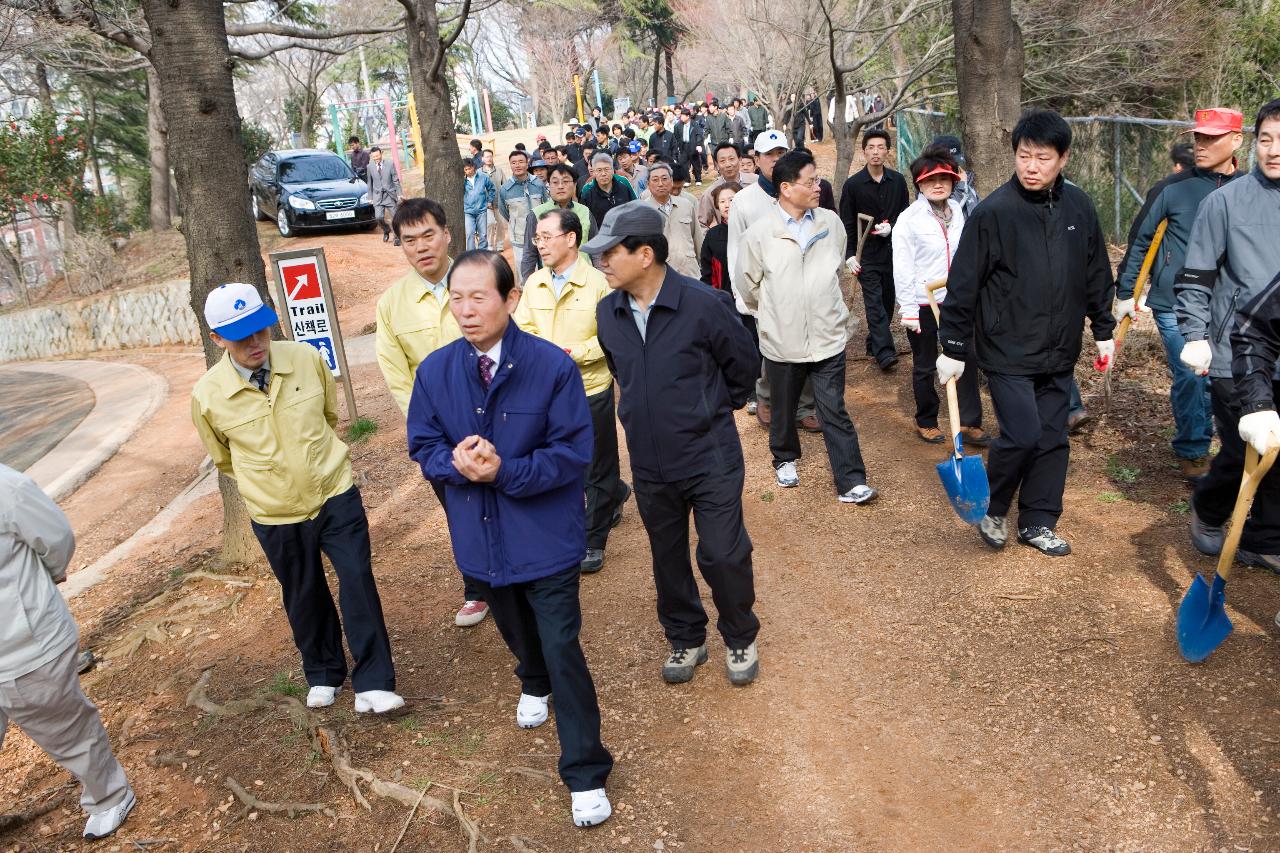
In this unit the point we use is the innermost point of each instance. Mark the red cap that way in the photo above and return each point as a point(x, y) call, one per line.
point(1216, 121)
point(941, 169)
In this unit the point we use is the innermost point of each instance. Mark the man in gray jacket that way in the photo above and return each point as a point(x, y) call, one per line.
point(384, 190)
point(39, 647)
point(1232, 255)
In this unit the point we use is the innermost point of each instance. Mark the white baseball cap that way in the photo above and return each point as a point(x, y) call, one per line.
point(770, 140)
point(235, 311)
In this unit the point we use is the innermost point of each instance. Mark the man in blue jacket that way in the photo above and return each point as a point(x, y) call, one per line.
point(499, 417)
point(684, 362)
point(477, 194)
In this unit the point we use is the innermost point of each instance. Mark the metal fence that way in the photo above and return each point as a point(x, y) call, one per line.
point(1116, 159)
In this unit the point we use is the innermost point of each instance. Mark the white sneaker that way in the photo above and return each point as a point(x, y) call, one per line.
point(786, 474)
point(531, 711)
point(321, 697)
point(102, 824)
point(378, 702)
point(859, 495)
point(751, 407)
point(591, 807)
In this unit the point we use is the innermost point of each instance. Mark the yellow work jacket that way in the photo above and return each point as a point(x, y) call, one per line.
point(280, 446)
point(570, 321)
point(412, 324)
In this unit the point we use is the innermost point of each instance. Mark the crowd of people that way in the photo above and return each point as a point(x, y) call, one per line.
point(625, 299)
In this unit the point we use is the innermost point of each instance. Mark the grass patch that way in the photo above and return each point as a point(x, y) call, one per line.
point(360, 429)
point(282, 684)
point(1122, 473)
point(407, 724)
point(767, 497)
point(1181, 507)
point(1110, 497)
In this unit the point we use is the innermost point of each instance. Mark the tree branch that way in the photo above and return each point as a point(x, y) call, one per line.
point(268, 28)
point(447, 41)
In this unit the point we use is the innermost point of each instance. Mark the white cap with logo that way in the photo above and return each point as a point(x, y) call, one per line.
point(770, 140)
point(236, 310)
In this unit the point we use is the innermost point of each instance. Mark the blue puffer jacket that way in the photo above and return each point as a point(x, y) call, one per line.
point(477, 193)
point(531, 521)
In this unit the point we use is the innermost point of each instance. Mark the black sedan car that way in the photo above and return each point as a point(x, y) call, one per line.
point(308, 188)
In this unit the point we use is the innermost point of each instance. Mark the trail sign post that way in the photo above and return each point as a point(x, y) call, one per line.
point(305, 296)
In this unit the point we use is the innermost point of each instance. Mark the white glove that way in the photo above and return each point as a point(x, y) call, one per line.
point(1261, 429)
point(1197, 355)
point(852, 263)
point(911, 324)
point(1106, 350)
point(1126, 308)
point(882, 229)
point(948, 369)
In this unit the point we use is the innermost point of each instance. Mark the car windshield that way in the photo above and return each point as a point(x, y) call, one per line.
point(304, 170)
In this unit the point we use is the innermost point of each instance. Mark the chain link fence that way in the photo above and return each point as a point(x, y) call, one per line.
point(1116, 159)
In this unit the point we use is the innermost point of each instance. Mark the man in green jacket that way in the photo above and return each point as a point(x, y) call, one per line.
point(563, 186)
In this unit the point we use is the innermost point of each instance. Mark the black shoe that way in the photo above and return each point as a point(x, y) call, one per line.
point(617, 513)
point(889, 363)
point(593, 562)
point(1044, 540)
point(395, 242)
point(386, 235)
point(1076, 421)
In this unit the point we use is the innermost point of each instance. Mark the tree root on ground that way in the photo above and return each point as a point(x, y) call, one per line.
point(252, 803)
point(13, 820)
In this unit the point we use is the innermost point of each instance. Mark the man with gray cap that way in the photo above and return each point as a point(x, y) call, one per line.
point(683, 363)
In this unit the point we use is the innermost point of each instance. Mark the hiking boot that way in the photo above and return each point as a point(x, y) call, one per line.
point(679, 667)
point(743, 665)
point(531, 711)
point(1193, 469)
point(993, 530)
point(810, 423)
point(863, 494)
point(593, 562)
point(105, 823)
point(974, 436)
point(763, 414)
point(1262, 561)
point(590, 807)
point(1206, 538)
point(1076, 421)
point(930, 435)
point(786, 475)
point(1044, 540)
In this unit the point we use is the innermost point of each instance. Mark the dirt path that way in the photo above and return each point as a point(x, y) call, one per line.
point(918, 690)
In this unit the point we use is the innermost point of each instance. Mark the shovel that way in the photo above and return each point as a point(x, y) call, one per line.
point(1123, 329)
point(1202, 617)
point(865, 223)
point(963, 477)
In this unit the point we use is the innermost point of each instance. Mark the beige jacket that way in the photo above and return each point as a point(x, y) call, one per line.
point(793, 289)
point(684, 234)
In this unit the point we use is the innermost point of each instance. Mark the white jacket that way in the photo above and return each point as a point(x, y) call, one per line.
point(922, 253)
point(747, 208)
point(793, 289)
point(36, 544)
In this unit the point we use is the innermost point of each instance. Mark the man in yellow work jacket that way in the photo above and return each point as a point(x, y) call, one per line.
point(559, 304)
point(266, 414)
point(414, 321)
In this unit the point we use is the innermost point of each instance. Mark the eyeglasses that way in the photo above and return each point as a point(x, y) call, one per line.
point(810, 184)
point(540, 239)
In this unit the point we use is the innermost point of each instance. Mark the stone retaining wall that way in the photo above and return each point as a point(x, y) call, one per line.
point(139, 317)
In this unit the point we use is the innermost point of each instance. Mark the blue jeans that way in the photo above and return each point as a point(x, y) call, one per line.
point(1075, 403)
point(477, 228)
point(1189, 395)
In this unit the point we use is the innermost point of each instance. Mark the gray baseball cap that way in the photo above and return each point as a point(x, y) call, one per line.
point(633, 219)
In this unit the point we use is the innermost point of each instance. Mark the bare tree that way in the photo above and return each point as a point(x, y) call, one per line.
point(989, 66)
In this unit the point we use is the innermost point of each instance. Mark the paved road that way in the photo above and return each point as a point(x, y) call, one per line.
point(38, 410)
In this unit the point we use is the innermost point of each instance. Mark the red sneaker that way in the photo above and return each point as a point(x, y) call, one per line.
point(472, 613)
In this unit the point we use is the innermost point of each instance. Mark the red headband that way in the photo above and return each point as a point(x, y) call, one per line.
point(942, 169)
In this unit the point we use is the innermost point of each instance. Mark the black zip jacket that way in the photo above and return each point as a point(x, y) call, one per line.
point(680, 383)
point(1255, 349)
point(1029, 268)
point(600, 202)
point(883, 199)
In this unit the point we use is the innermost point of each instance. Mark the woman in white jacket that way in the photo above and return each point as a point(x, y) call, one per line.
point(924, 242)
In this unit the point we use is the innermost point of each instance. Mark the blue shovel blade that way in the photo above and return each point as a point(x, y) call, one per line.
point(1202, 619)
point(965, 482)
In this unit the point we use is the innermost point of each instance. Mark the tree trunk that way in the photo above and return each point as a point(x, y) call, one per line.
point(657, 70)
point(669, 52)
point(91, 128)
point(157, 155)
point(193, 66)
point(43, 89)
point(441, 161)
point(989, 65)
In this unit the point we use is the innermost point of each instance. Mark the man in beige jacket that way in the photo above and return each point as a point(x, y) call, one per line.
point(39, 649)
point(790, 262)
point(680, 221)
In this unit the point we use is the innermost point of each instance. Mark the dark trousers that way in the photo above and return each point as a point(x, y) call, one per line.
point(1215, 496)
point(924, 378)
point(878, 298)
point(540, 620)
point(605, 489)
point(1030, 456)
point(471, 590)
point(723, 553)
point(693, 160)
point(340, 532)
point(827, 376)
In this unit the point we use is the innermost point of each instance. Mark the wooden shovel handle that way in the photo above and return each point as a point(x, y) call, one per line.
point(933, 302)
point(865, 224)
point(1140, 285)
point(1254, 470)
point(953, 413)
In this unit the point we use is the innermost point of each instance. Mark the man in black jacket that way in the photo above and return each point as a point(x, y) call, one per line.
point(683, 363)
point(689, 143)
point(881, 193)
point(661, 141)
point(1031, 265)
point(1255, 351)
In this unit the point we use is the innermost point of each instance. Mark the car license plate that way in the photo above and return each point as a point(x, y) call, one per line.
point(340, 214)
